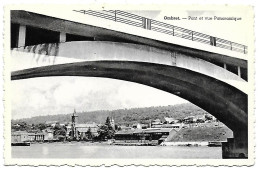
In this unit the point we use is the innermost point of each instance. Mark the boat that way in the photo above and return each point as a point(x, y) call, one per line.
point(21, 144)
point(215, 144)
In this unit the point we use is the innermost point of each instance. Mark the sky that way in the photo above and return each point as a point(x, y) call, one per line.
point(61, 95)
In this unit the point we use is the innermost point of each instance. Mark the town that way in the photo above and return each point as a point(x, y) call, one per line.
point(191, 130)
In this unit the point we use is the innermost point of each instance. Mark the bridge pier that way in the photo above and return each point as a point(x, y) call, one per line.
point(21, 36)
point(62, 37)
point(237, 147)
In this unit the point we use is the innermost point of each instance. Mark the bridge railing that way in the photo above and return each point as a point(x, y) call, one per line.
point(150, 24)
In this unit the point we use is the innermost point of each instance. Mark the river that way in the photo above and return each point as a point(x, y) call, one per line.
point(97, 150)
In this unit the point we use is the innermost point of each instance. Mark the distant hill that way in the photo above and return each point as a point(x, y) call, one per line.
point(123, 116)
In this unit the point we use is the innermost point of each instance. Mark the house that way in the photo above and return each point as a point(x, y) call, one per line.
point(159, 134)
point(36, 137)
point(156, 123)
point(125, 128)
point(48, 134)
point(19, 137)
point(200, 119)
point(82, 129)
point(51, 123)
point(16, 125)
point(137, 126)
point(189, 119)
point(145, 126)
point(170, 120)
point(125, 135)
point(176, 126)
point(210, 118)
point(23, 136)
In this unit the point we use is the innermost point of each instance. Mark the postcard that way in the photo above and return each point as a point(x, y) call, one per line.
point(129, 85)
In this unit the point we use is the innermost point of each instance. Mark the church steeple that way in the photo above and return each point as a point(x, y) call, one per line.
point(112, 122)
point(73, 125)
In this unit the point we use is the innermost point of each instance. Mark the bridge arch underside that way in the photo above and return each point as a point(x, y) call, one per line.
point(225, 102)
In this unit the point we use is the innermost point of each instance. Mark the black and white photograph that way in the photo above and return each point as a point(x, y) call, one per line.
point(102, 85)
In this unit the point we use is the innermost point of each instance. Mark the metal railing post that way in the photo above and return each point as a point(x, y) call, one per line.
point(115, 15)
point(144, 22)
point(148, 24)
point(210, 41)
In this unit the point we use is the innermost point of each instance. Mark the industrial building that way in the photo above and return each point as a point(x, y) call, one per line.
point(150, 136)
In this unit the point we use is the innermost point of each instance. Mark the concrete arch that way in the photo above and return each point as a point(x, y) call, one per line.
point(68, 52)
point(225, 102)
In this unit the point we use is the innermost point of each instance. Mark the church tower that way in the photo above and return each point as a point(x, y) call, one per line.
point(112, 123)
point(73, 124)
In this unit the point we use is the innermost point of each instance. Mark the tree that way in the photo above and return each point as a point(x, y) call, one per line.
point(89, 134)
point(105, 132)
point(59, 131)
point(41, 126)
point(108, 123)
point(116, 127)
point(208, 117)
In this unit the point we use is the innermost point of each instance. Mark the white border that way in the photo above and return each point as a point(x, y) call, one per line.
point(186, 2)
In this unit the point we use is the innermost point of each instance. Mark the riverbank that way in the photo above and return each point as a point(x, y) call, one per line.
point(106, 143)
point(87, 143)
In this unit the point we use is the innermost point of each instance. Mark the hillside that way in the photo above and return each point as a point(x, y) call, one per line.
point(123, 116)
point(202, 134)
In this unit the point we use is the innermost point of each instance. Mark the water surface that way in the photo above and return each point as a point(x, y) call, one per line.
point(96, 150)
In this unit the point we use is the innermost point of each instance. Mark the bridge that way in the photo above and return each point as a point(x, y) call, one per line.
point(211, 75)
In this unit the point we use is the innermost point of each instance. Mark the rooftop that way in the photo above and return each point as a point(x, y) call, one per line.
point(156, 130)
point(149, 130)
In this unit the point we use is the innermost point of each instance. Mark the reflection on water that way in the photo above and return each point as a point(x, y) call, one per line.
point(86, 150)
